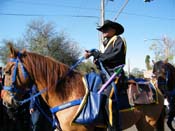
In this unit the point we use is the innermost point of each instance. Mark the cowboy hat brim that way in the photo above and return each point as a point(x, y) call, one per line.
point(107, 23)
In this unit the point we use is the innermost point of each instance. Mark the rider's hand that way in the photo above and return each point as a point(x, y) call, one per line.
point(87, 54)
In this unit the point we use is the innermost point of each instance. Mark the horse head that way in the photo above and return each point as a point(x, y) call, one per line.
point(16, 78)
point(165, 74)
point(159, 69)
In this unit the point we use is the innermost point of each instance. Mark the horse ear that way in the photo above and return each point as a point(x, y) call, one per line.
point(13, 51)
point(153, 61)
point(165, 61)
point(24, 51)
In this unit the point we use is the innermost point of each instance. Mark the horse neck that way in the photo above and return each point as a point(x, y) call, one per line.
point(171, 78)
point(61, 88)
point(68, 89)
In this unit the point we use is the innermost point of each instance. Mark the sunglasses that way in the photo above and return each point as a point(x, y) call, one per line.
point(106, 29)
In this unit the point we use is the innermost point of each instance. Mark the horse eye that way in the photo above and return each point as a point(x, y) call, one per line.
point(8, 72)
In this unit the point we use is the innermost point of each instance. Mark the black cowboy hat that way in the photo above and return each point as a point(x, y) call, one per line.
point(107, 23)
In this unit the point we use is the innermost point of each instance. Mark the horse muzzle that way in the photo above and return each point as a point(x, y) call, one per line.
point(10, 102)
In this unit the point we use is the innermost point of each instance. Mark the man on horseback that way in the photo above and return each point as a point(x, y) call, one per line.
point(113, 55)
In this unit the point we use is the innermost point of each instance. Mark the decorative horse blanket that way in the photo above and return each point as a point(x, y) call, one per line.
point(92, 108)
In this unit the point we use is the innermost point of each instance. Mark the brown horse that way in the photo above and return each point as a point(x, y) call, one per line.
point(46, 72)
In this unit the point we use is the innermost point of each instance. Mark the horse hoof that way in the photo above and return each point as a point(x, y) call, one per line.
point(170, 126)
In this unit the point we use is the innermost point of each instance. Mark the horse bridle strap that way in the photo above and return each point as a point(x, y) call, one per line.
point(24, 72)
point(73, 102)
point(12, 88)
point(65, 105)
point(33, 96)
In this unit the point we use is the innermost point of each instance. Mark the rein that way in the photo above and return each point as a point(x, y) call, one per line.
point(12, 88)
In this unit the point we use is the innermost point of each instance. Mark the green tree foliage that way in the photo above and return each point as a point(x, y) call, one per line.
point(147, 62)
point(137, 73)
point(87, 66)
point(19, 44)
point(4, 52)
point(41, 37)
point(163, 49)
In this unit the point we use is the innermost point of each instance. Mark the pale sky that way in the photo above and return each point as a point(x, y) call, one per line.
point(79, 19)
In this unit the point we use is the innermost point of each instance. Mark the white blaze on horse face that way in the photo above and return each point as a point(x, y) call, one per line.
point(7, 97)
point(8, 70)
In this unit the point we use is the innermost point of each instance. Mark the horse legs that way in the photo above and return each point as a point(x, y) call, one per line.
point(160, 121)
point(169, 122)
point(143, 125)
point(100, 129)
point(171, 113)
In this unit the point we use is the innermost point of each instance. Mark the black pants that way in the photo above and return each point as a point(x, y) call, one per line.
point(114, 116)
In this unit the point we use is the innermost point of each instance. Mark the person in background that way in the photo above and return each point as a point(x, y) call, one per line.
point(113, 55)
point(34, 112)
point(41, 118)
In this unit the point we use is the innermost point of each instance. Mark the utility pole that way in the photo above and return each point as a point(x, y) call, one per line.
point(102, 12)
point(102, 17)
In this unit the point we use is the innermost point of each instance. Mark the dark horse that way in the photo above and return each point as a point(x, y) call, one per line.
point(17, 119)
point(165, 74)
point(46, 72)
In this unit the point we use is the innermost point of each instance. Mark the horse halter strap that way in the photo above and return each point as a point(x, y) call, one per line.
point(12, 88)
point(166, 77)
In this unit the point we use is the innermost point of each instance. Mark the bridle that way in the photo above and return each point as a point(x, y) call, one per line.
point(12, 89)
point(162, 79)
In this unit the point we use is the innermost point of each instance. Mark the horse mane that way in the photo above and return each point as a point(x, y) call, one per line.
point(171, 77)
point(52, 74)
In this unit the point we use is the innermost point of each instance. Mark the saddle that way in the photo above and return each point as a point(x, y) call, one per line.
point(141, 92)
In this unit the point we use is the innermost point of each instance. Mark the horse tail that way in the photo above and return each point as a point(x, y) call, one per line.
point(160, 121)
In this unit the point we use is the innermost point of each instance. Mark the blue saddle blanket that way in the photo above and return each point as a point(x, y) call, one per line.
point(90, 111)
point(92, 107)
point(94, 81)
